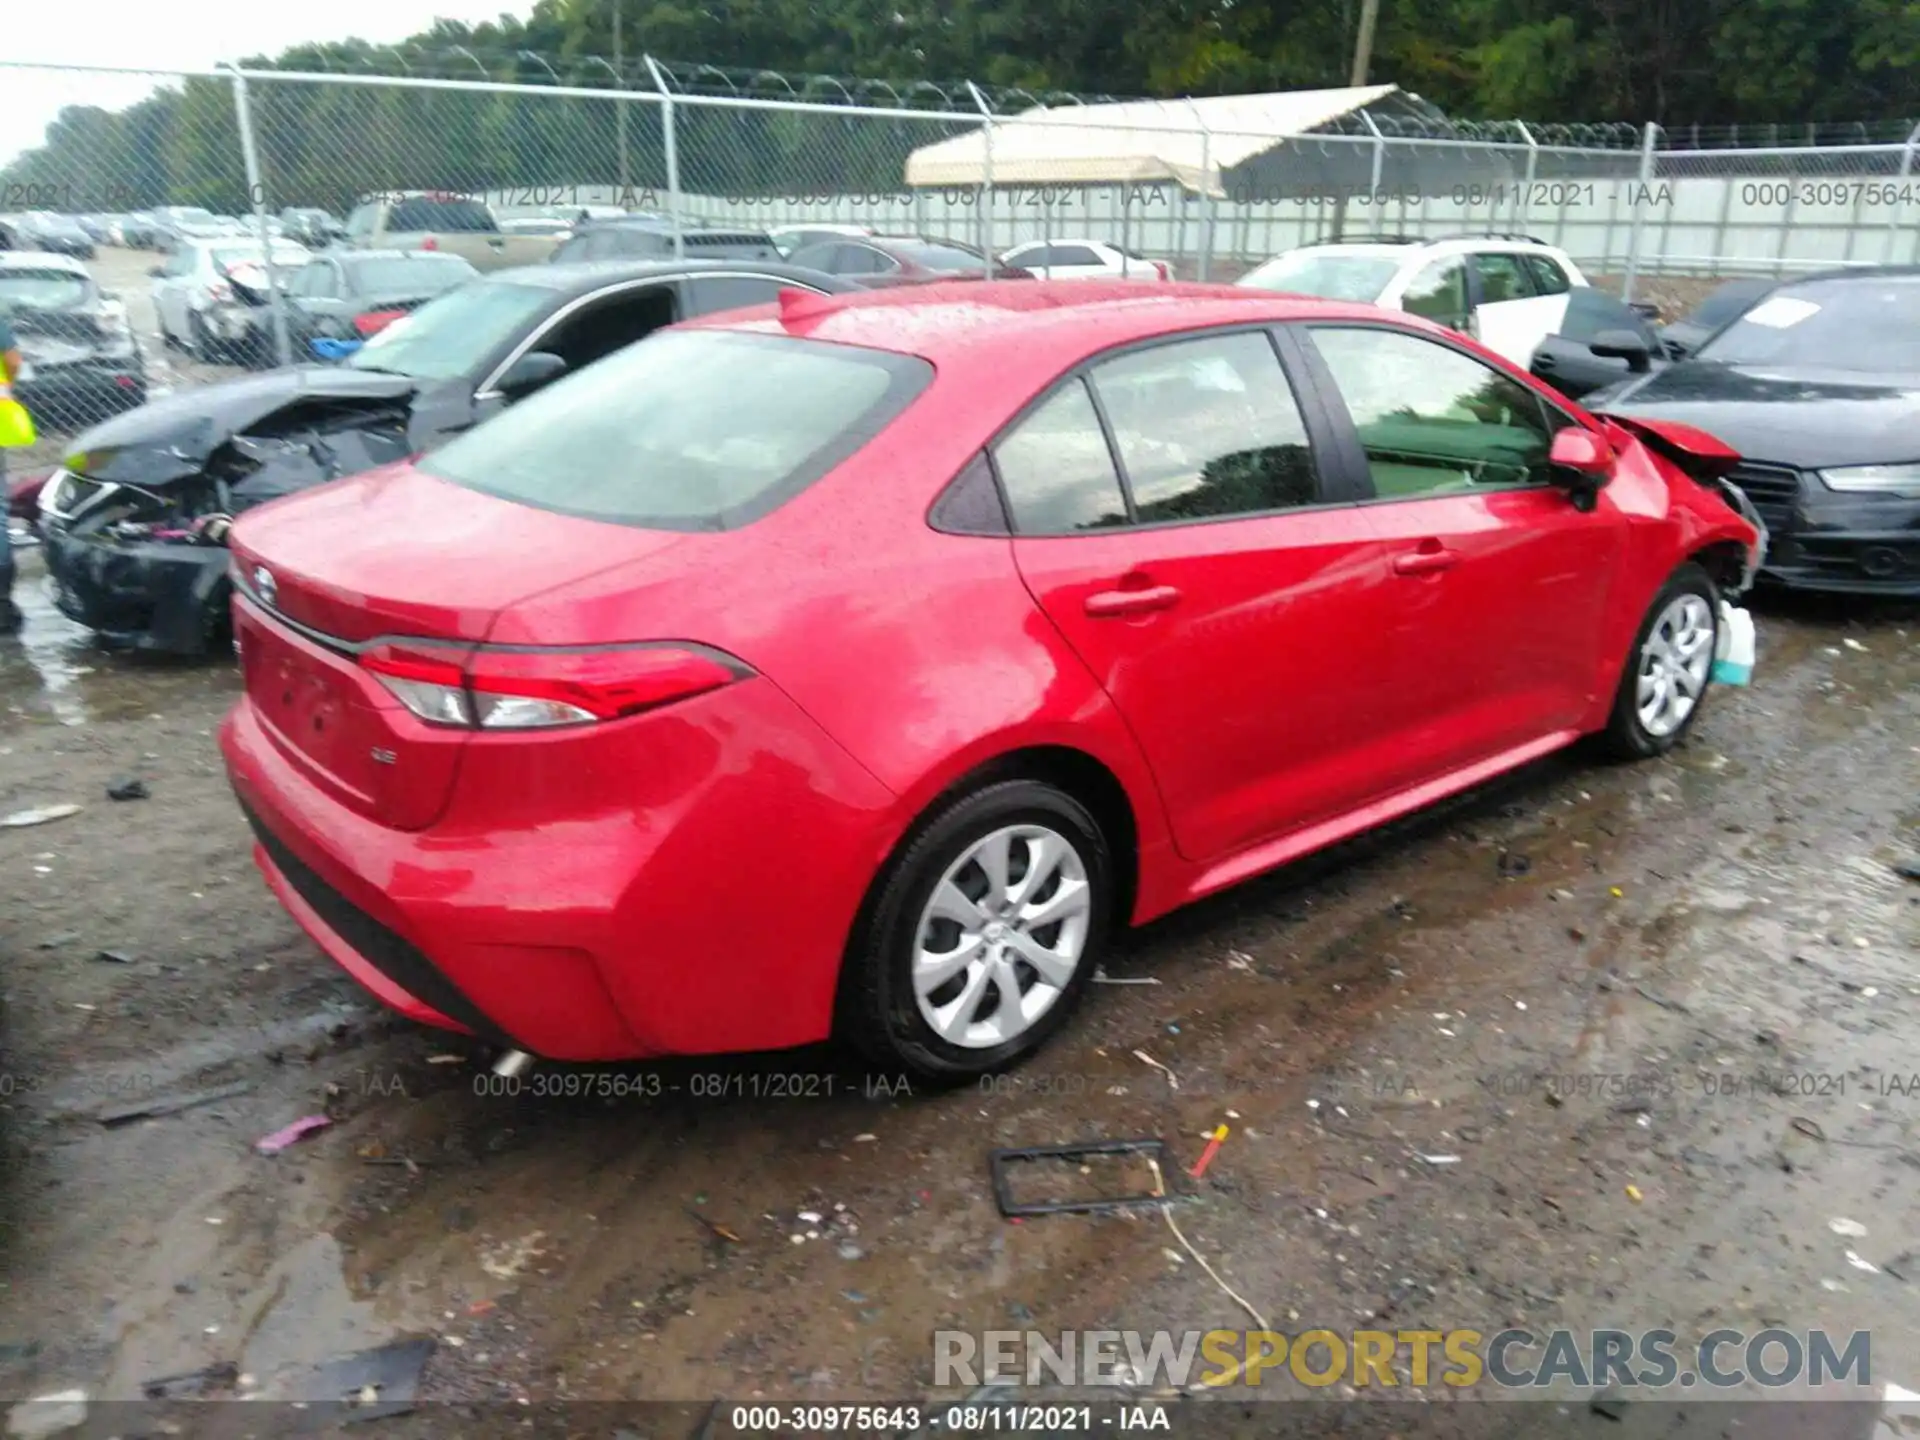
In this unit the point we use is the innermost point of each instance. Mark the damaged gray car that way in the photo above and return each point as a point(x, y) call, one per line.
point(134, 521)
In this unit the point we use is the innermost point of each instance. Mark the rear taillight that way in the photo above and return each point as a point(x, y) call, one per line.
point(374, 321)
point(432, 242)
point(540, 689)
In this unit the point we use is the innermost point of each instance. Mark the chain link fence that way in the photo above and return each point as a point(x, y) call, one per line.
point(137, 163)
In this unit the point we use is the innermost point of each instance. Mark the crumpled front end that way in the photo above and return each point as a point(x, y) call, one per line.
point(144, 565)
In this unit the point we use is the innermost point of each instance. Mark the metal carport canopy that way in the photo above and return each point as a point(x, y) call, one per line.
point(1146, 142)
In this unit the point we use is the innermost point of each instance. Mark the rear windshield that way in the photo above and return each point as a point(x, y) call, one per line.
point(1330, 277)
point(934, 256)
point(426, 275)
point(687, 430)
point(42, 290)
point(413, 214)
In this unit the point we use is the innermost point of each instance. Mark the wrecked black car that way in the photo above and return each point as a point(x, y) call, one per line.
point(82, 363)
point(134, 522)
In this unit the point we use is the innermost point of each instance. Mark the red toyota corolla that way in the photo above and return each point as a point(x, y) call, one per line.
point(859, 665)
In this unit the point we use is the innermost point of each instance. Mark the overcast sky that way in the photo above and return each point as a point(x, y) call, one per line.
point(191, 36)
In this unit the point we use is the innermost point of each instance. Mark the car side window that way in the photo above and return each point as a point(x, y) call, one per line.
point(1030, 257)
point(1548, 277)
point(1056, 468)
point(1207, 428)
point(1431, 420)
point(1074, 255)
point(1439, 293)
point(706, 294)
point(851, 260)
point(1591, 311)
point(1502, 277)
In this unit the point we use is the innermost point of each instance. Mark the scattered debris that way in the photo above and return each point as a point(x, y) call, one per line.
point(128, 789)
point(280, 1139)
point(195, 1384)
point(1853, 644)
point(1852, 1229)
point(1857, 1263)
point(714, 1227)
point(1633, 1194)
point(1662, 1001)
point(113, 957)
point(1100, 977)
point(998, 1162)
point(154, 1106)
point(39, 815)
point(46, 1415)
point(1214, 1142)
point(1513, 864)
point(1172, 1079)
point(1437, 1159)
point(1611, 1405)
point(865, 1138)
point(372, 1383)
point(445, 1059)
point(1907, 869)
point(1901, 1267)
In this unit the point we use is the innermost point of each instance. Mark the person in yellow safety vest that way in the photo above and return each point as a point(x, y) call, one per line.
point(11, 362)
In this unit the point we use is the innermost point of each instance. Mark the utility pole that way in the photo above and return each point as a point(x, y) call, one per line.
point(1363, 42)
point(620, 106)
point(1362, 58)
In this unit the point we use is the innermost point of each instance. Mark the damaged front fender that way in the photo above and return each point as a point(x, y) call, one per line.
point(136, 520)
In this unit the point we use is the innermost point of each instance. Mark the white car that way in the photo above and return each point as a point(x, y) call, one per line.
point(211, 295)
point(1082, 259)
point(1507, 291)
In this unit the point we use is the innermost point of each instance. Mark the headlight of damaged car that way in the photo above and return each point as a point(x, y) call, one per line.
point(1901, 481)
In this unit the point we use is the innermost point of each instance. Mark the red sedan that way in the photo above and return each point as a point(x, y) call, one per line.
point(858, 665)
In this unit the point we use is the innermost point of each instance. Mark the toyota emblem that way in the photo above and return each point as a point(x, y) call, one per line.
point(264, 585)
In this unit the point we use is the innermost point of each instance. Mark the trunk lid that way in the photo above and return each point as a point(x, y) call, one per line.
point(322, 574)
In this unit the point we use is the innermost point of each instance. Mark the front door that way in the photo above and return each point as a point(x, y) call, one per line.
point(1500, 583)
point(1172, 521)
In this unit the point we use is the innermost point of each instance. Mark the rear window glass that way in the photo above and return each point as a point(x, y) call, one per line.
point(42, 290)
point(408, 216)
point(427, 275)
point(934, 256)
point(687, 430)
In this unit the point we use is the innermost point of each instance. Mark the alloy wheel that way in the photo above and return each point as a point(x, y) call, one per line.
point(1674, 663)
point(1001, 936)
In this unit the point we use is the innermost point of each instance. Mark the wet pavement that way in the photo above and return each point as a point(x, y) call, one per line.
point(1597, 1046)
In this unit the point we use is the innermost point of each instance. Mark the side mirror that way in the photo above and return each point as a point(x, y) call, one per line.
point(530, 372)
point(1623, 345)
point(1581, 462)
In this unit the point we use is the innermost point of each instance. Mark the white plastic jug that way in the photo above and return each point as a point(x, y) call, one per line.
point(1733, 649)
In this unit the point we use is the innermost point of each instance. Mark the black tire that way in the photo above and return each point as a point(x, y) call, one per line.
point(878, 1012)
point(200, 345)
point(1625, 737)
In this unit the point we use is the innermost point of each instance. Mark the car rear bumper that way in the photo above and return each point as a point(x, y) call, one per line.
point(639, 915)
point(145, 595)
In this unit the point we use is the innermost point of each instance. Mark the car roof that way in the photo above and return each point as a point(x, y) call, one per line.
point(1027, 332)
point(1851, 272)
point(577, 277)
point(41, 260)
point(355, 257)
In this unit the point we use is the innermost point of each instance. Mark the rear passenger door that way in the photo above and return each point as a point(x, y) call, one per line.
point(1173, 519)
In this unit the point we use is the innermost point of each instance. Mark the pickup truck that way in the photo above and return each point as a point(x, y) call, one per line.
point(437, 220)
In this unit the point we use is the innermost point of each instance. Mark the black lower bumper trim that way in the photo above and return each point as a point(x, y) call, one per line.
point(386, 951)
